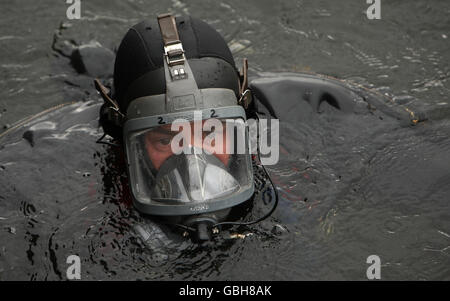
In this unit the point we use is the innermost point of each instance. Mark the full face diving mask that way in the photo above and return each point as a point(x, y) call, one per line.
point(187, 150)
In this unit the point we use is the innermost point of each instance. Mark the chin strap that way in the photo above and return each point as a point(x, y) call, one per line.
point(113, 110)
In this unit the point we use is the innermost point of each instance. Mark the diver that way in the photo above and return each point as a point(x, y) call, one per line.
point(182, 69)
point(157, 81)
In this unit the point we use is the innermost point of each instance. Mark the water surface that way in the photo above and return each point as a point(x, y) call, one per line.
point(353, 187)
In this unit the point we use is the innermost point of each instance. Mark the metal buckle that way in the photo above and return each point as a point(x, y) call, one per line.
point(115, 116)
point(245, 99)
point(174, 54)
point(175, 58)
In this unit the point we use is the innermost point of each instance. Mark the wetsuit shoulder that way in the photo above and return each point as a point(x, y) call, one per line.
point(299, 95)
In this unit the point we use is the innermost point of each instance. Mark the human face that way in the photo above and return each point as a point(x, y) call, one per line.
point(159, 148)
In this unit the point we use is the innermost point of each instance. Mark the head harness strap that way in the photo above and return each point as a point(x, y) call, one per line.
point(176, 68)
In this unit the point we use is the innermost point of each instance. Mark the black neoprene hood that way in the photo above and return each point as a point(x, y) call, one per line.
point(139, 70)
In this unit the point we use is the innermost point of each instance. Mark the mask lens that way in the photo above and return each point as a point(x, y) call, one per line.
point(191, 162)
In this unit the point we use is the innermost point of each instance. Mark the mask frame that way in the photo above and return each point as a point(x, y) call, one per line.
point(154, 208)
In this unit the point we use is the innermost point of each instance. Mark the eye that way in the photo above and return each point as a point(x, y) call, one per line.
point(165, 141)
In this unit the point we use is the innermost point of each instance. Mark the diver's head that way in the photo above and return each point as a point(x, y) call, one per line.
point(178, 102)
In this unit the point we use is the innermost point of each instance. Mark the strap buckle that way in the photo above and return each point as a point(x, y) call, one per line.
point(173, 50)
point(113, 109)
point(245, 94)
point(174, 54)
point(245, 99)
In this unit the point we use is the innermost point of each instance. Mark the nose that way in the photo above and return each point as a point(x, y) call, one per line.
point(198, 142)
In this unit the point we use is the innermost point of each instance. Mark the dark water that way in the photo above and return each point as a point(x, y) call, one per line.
point(350, 186)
